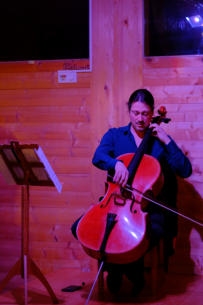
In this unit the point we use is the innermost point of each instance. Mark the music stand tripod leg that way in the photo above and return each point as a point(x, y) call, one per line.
point(18, 268)
point(15, 270)
point(25, 279)
point(37, 272)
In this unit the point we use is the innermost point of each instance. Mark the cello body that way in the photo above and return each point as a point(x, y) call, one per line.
point(127, 239)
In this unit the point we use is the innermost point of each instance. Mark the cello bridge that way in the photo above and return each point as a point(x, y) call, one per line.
point(119, 199)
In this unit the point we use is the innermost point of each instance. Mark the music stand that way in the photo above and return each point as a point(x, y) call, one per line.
point(25, 165)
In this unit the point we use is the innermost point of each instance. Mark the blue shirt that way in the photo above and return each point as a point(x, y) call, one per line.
point(118, 141)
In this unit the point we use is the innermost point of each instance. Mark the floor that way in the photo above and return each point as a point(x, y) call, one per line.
point(174, 290)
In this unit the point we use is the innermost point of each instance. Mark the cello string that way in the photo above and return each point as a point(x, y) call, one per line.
point(89, 296)
point(128, 188)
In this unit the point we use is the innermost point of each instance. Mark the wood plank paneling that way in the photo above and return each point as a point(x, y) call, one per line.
point(37, 80)
point(36, 109)
point(44, 66)
point(177, 84)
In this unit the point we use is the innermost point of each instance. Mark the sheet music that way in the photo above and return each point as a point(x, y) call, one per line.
point(48, 168)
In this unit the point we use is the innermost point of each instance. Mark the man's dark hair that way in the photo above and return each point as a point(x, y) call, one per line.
point(141, 95)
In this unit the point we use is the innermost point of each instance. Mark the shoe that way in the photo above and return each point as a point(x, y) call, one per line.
point(114, 281)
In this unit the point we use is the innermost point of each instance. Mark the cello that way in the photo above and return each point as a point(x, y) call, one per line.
point(115, 229)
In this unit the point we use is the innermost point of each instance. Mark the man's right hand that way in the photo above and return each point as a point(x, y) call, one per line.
point(121, 174)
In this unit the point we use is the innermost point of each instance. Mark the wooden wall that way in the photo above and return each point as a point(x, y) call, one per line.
point(177, 83)
point(35, 108)
point(68, 120)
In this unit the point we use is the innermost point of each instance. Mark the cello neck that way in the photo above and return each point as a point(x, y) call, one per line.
point(142, 149)
point(132, 167)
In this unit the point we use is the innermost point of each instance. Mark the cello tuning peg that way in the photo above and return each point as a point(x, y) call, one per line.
point(162, 110)
point(161, 118)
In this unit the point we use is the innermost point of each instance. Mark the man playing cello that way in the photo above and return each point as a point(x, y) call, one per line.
point(127, 139)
